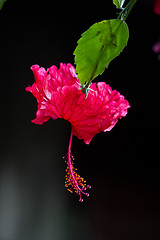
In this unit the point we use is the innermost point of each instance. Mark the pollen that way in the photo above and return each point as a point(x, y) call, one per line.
point(74, 182)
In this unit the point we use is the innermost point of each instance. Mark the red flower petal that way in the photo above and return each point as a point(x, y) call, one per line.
point(59, 96)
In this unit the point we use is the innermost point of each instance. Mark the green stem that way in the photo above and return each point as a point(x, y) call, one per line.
point(126, 11)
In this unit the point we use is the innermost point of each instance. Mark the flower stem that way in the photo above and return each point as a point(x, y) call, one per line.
point(69, 148)
point(126, 11)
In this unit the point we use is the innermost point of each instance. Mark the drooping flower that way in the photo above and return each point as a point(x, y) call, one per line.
point(59, 96)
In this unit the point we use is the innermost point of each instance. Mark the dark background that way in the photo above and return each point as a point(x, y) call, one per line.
point(122, 165)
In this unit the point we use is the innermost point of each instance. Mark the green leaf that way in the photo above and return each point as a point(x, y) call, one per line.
point(1, 3)
point(98, 46)
point(119, 3)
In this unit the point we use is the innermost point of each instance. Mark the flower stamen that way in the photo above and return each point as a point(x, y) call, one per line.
point(73, 180)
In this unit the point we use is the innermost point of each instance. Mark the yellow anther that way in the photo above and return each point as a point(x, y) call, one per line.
point(70, 190)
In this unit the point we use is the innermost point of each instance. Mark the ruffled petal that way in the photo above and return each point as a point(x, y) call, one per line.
point(64, 76)
point(59, 96)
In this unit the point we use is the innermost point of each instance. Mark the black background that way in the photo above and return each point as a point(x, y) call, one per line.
point(122, 165)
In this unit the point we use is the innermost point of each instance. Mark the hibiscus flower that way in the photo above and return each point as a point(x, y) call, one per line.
point(59, 95)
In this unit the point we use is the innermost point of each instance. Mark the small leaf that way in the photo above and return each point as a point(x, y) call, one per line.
point(1, 3)
point(98, 46)
point(119, 3)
